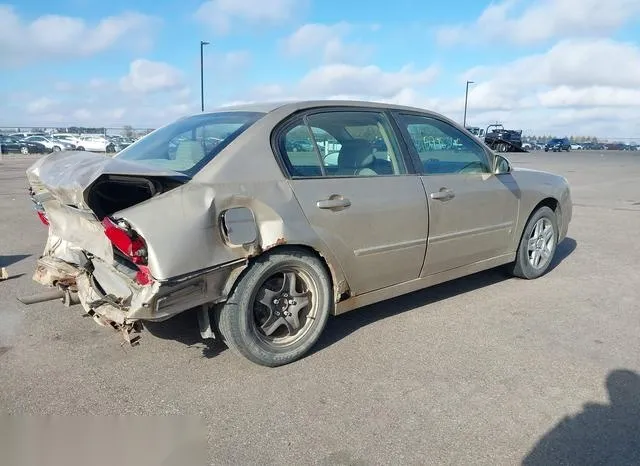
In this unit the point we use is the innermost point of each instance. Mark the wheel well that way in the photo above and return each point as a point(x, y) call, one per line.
point(548, 202)
point(338, 296)
point(553, 204)
point(311, 251)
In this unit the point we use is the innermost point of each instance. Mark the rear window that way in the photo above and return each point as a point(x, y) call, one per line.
point(188, 144)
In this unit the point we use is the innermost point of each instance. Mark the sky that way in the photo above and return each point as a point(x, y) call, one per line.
point(553, 67)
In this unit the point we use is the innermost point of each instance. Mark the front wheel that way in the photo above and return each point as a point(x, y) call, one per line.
point(24, 150)
point(79, 148)
point(537, 245)
point(56, 148)
point(278, 309)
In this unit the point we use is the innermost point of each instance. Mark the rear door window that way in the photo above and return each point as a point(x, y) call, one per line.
point(341, 143)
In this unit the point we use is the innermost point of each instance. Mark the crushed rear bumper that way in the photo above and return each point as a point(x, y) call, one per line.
point(113, 297)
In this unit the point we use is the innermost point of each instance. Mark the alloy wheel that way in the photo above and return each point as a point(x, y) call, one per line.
point(541, 244)
point(284, 307)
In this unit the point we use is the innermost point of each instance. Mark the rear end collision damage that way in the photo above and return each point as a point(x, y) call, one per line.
point(97, 254)
point(145, 247)
point(201, 215)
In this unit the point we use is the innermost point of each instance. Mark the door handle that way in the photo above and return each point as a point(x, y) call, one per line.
point(334, 203)
point(445, 194)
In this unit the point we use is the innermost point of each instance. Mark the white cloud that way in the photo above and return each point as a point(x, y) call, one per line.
point(220, 14)
point(341, 79)
point(586, 86)
point(506, 21)
point(40, 105)
point(327, 41)
point(55, 37)
point(577, 72)
point(594, 96)
point(147, 76)
point(227, 64)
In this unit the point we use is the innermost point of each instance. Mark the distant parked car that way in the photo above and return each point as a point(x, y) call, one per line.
point(576, 147)
point(9, 144)
point(55, 145)
point(70, 138)
point(96, 144)
point(557, 145)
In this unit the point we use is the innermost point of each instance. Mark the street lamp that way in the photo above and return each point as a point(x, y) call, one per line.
point(466, 98)
point(202, 44)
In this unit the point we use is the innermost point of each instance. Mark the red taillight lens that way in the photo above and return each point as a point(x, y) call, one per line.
point(43, 217)
point(129, 244)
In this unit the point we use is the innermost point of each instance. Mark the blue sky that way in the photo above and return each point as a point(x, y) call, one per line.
point(547, 66)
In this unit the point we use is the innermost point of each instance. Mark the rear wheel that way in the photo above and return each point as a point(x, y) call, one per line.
point(537, 245)
point(56, 148)
point(24, 150)
point(80, 148)
point(278, 309)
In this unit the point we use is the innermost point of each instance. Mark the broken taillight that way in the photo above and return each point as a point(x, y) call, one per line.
point(126, 240)
point(42, 215)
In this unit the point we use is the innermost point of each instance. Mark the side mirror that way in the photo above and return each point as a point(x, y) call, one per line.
point(502, 165)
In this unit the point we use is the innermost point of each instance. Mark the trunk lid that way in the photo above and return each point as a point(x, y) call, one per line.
point(67, 176)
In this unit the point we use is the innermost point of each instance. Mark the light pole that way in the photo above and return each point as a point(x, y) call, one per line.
point(202, 44)
point(466, 98)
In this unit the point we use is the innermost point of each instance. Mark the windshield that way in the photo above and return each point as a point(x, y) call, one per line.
point(188, 144)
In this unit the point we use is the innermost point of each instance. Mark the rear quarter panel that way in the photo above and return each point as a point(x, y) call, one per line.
point(182, 227)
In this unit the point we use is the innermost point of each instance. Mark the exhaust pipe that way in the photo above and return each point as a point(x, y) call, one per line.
point(42, 297)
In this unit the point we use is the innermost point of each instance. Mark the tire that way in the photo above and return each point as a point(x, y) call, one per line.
point(545, 244)
point(263, 333)
point(24, 150)
point(56, 148)
point(80, 148)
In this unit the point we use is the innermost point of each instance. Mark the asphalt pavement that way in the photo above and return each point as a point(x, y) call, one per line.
point(483, 370)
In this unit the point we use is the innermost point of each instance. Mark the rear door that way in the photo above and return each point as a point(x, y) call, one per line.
point(472, 212)
point(353, 183)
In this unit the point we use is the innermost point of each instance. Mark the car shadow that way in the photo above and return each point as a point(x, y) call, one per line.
point(184, 329)
point(339, 327)
point(600, 434)
point(564, 250)
point(6, 261)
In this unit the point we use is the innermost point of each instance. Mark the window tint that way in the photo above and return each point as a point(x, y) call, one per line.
point(343, 143)
point(442, 148)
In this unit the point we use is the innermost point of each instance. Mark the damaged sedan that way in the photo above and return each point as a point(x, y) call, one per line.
point(265, 219)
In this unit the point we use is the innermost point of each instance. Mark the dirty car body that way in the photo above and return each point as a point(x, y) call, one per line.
point(177, 220)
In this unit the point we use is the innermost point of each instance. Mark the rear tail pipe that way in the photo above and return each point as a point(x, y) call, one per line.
point(67, 296)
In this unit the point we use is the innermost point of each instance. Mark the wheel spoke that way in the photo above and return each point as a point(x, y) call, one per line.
point(546, 253)
point(266, 296)
point(532, 244)
point(536, 229)
point(289, 283)
point(534, 258)
point(548, 233)
point(271, 324)
point(300, 302)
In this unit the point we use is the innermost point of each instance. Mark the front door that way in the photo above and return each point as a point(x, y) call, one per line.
point(472, 212)
point(349, 176)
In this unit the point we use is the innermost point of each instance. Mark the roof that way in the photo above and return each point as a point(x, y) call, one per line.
point(294, 105)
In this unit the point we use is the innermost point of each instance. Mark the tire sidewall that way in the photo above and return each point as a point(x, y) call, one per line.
point(240, 308)
point(528, 271)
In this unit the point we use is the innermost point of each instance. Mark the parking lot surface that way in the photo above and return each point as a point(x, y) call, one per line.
point(484, 370)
